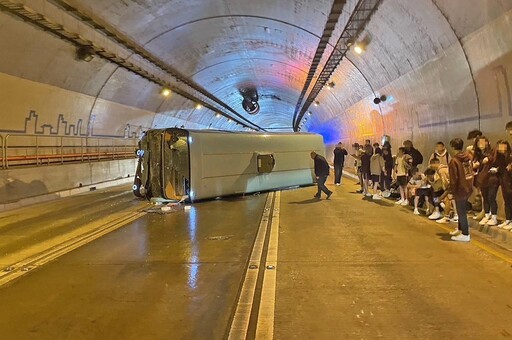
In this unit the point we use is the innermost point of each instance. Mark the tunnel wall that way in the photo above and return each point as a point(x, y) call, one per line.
point(435, 101)
point(21, 183)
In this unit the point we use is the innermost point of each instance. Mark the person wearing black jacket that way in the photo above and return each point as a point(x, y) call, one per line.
point(417, 157)
point(339, 161)
point(321, 173)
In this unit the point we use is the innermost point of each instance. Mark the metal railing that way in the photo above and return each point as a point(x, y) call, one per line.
point(38, 150)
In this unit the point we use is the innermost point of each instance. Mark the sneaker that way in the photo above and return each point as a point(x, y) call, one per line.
point(455, 232)
point(386, 193)
point(377, 197)
point(416, 212)
point(443, 220)
point(317, 196)
point(368, 194)
point(504, 224)
point(461, 238)
point(492, 221)
point(454, 219)
point(404, 203)
point(479, 216)
point(435, 215)
point(399, 202)
point(507, 227)
point(484, 220)
point(328, 195)
point(337, 184)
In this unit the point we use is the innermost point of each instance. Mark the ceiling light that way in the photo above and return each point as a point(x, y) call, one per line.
point(316, 103)
point(165, 92)
point(358, 49)
point(199, 106)
point(309, 113)
point(217, 115)
point(84, 53)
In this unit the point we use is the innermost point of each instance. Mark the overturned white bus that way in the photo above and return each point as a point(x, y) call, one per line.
point(176, 163)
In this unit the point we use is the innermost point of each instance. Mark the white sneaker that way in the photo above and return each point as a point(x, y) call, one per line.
point(386, 193)
point(377, 197)
point(507, 226)
point(484, 220)
point(368, 194)
point(443, 220)
point(455, 232)
point(337, 184)
point(435, 215)
point(454, 219)
point(492, 221)
point(461, 238)
point(399, 202)
point(416, 212)
point(404, 203)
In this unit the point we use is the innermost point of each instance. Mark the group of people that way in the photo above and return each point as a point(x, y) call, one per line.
point(451, 177)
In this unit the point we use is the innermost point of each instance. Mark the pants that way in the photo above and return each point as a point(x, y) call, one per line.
point(462, 211)
point(321, 186)
point(338, 172)
point(507, 197)
point(489, 199)
point(385, 180)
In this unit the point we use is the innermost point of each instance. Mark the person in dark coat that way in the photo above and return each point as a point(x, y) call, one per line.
point(417, 157)
point(321, 173)
point(461, 173)
point(339, 162)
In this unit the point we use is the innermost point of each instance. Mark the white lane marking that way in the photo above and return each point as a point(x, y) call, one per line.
point(265, 325)
point(24, 266)
point(240, 324)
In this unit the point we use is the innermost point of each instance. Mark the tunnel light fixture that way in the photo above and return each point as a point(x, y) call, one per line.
point(217, 115)
point(316, 103)
point(199, 106)
point(84, 53)
point(330, 85)
point(309, 113)
point(358, 48)
point(165, 92)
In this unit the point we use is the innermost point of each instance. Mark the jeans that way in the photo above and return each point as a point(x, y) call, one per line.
point(489, 199)
point(462, 211)
point(338, 172)
point(321, 186)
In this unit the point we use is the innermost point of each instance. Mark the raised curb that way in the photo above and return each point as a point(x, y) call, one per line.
point(64, 193)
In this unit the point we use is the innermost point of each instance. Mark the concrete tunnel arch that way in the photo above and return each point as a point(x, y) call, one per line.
point(443, 64)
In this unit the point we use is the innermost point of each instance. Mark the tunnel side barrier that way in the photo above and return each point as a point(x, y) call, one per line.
point(37, 150)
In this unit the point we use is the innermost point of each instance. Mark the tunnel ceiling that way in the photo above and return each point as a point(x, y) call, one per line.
point(208, 51)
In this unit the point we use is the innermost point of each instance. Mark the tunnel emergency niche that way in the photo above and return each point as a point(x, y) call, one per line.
point(250, 100)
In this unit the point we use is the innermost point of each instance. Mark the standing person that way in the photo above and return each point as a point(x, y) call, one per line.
point(486, 181)
point(366, 169)
point(402, 165)
point(357, 163)
point(321, 173)
point(461, 186)
point(503, 163)
point(472, 136)
point(440, 153)
point(417, 157)
point(377, 166)
point(389, 163)
point(339, 162)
